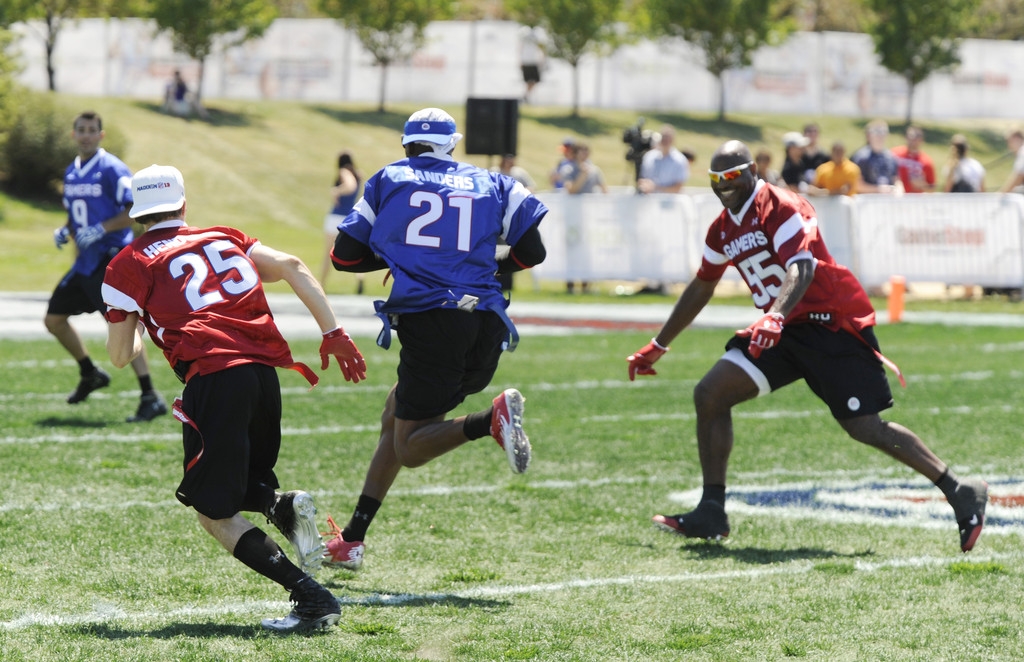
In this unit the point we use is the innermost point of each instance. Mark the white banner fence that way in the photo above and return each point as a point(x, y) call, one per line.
point(951, 238)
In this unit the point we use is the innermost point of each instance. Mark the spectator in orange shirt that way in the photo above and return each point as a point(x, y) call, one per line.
point(916, 170)
point(839, 175)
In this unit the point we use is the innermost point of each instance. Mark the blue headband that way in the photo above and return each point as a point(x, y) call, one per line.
point(423, 127)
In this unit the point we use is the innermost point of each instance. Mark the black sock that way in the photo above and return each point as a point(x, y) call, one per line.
point(86, 367)
point(258, 551)
point(477, 425)
point(366, 510)
point(258, 499)
point(145, 384)
point(714, 493)
point(948, 483)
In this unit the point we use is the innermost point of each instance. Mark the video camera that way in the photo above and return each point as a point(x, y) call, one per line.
point(640, 142)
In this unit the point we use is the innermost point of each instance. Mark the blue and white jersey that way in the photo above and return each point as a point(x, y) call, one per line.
point(436, 222)
point(94, 192)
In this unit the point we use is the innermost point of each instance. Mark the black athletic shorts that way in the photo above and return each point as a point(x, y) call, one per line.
point(77, 294)
point(841, 369)
point(236, 439)
point(446, 355)
point(531, 73)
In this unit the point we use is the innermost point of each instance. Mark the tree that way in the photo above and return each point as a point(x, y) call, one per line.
point(996, 19)
point(390, 30)
point(915, 39)
point(195, 24)
point(574, 28)
point(728, 32)
point(53, 14)
point(831, 15)
point(8, 86)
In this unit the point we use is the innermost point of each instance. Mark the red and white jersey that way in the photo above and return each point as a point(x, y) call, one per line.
point(199, 295)
point(775, 228)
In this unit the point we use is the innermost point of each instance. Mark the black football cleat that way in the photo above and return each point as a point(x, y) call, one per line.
point(97, 379)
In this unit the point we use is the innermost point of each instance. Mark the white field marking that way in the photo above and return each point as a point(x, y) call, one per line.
point(586, 385)
point(50, 364)
point(785, 414)
point(910, 503)
point(106, 613)
point(130, 438)
point(78, 504)
point(32, 364)
point(429, 490)
point(1000, 348)
point(108, 395)
point(813, 479)
point(582, 385)
point(133, 438)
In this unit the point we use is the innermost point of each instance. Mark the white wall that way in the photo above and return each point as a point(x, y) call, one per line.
point(318, 60)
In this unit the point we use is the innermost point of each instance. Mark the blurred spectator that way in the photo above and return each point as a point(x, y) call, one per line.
point(664, 169)
point(793, 170)
point(555, 177)
point(344, 194)
point(531, 59)
point(839, 175)
point(507, 166)
point(963, 174)
point(581, 176)
point(176, 96)
point(179, 100)
point(764, 167)
point(814, 156)
point(1015, 143)
point(916, 170)
point(878, 167)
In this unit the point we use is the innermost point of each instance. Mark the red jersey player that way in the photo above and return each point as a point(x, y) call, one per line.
point(817, 326)
point(199, 293)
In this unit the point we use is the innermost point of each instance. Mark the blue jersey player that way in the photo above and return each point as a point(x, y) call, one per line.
point(436, 224)
point(97, 195)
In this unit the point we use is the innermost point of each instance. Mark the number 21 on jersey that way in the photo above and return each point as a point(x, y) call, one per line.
point(435, 208)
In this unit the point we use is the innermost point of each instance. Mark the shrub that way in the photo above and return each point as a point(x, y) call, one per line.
point(38, 147)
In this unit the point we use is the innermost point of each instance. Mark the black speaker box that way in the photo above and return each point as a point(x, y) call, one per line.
point(492, 126)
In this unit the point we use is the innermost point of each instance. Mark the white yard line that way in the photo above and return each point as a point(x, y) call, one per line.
point(140, 437)
point(106, 613)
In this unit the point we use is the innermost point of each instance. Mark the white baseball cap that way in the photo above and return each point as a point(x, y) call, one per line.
point(430, 125)
point(795, 139)
point(157, 189)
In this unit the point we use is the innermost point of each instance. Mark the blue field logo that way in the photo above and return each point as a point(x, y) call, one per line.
point(883, 502)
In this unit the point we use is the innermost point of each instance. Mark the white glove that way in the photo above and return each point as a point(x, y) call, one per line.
point(60, 236)
point(88, 236)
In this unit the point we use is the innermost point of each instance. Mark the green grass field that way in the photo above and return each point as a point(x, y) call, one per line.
point(467, 561)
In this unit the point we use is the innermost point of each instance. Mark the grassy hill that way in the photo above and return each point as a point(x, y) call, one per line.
point(266, 167)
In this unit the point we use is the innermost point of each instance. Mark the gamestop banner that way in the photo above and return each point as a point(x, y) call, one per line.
point(951, 238)
point(956, 238)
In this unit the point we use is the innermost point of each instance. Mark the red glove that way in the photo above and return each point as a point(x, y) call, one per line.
point(642, 363)
point(340, 344)
point(764, 333)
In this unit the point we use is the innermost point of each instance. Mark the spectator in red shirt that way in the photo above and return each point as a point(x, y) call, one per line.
point(916, 170)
